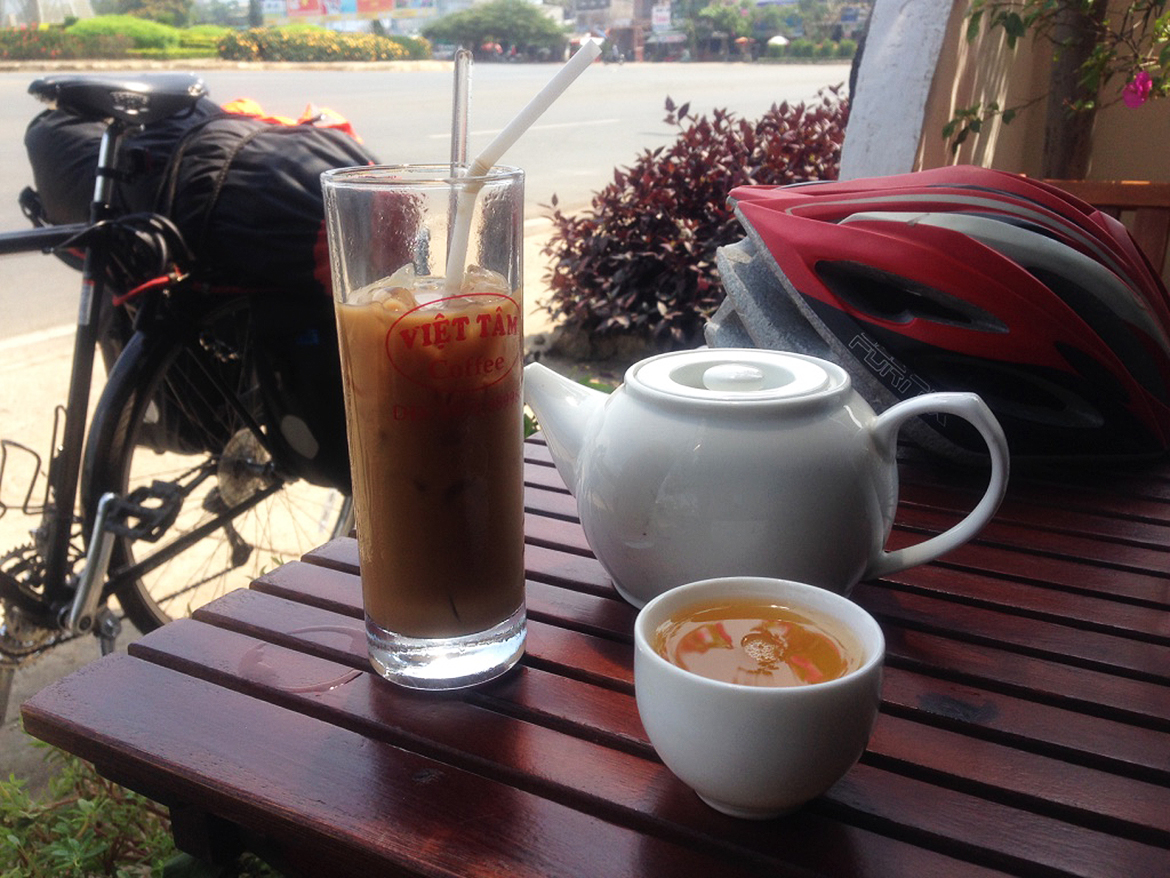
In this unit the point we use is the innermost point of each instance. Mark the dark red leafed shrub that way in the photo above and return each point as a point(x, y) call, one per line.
point(641, 259)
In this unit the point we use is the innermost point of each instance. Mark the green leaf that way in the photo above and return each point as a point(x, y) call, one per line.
point(973, 24)
point(1014, 27)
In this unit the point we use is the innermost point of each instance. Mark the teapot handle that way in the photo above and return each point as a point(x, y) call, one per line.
point(885, 433)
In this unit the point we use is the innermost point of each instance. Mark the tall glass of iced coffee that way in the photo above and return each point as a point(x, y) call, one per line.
point(431, 351)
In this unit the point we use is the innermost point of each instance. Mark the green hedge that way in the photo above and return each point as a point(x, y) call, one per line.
point(125, 36)
point(54, 44)
point(203, 36)
point(309, 43)
point(145, 34)
point(807, 49)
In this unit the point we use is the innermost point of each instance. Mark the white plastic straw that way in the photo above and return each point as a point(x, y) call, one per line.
point(460, 234)
point(575, 66)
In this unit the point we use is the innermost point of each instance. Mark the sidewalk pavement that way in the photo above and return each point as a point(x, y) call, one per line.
point(34, 374)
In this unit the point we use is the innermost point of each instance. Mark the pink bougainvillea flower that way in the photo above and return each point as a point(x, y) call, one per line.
point(1138, 89)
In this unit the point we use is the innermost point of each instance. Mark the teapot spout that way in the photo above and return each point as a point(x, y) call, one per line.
point(563, 409)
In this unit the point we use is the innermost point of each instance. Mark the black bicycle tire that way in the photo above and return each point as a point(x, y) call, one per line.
point(151, 361)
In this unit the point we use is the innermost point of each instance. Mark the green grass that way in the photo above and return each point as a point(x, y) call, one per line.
point(85, 825)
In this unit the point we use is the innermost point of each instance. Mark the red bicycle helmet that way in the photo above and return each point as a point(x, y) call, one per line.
point(961, 279)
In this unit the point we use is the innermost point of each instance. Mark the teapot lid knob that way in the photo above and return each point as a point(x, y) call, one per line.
point(733, 377)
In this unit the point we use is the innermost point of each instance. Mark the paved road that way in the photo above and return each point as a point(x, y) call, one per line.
point(605, 120)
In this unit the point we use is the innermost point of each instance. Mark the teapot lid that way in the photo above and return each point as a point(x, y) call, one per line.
point(737, 375)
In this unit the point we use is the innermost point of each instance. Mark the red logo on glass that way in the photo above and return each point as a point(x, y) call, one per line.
point(457, 343)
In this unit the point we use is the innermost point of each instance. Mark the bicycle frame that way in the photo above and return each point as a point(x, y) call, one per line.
point(61, 595)
point(45, 239)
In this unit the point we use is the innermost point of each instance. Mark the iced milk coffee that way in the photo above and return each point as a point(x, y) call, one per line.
point(426, 262)
point(433, 400)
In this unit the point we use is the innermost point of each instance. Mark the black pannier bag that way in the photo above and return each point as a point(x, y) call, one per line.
point(63, 150)
point(244, 191)
point(246, 194)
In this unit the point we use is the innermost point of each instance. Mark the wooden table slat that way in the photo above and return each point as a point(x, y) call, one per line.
point(1145, 588)
point(1094, 612)
point(1099, 656)
point(544, 477)
point(1123, 657)
point(1048, 682)
point(551, 503)
point(1076, 737)
point(1087, 796)
point(974, 823)
point(364, 793)
point(993, 669)
point(1143, 557)
point(1061, 510)
point(1116, 798)
point(616, 785)
point(637, 783)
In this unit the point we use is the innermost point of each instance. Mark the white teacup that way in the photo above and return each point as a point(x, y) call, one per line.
point(749, 751)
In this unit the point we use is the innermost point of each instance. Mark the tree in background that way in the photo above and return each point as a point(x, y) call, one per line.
point(726, 22)
point(223, 12)
point(716, 24)
point(817, 18)
point(176, 13)
point(774, 19)
point(509, 23)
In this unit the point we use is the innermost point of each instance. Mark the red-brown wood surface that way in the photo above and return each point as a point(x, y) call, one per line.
point(1025, 726)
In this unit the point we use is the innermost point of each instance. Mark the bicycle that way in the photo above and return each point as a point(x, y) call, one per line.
point(196, 471)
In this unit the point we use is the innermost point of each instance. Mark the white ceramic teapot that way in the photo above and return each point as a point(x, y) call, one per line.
point(734, 461)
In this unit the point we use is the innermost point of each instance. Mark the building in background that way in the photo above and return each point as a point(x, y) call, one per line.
point(625, 24)
point(399, 16)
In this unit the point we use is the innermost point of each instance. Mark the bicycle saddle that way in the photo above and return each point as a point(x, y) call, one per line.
point(140, 100)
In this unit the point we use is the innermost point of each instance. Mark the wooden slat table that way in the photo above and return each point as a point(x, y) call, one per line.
point(1025, 727)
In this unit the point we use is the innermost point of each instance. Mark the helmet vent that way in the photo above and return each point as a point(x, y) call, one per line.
point(1107, 320)
point(1017, 222)
point(893, 299)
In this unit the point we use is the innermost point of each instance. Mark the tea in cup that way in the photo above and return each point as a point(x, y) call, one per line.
point(758, 693)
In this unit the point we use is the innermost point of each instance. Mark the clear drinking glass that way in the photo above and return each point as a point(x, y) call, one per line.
point(432, 370)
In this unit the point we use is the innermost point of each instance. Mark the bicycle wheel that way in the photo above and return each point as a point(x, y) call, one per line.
point(181, 433)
